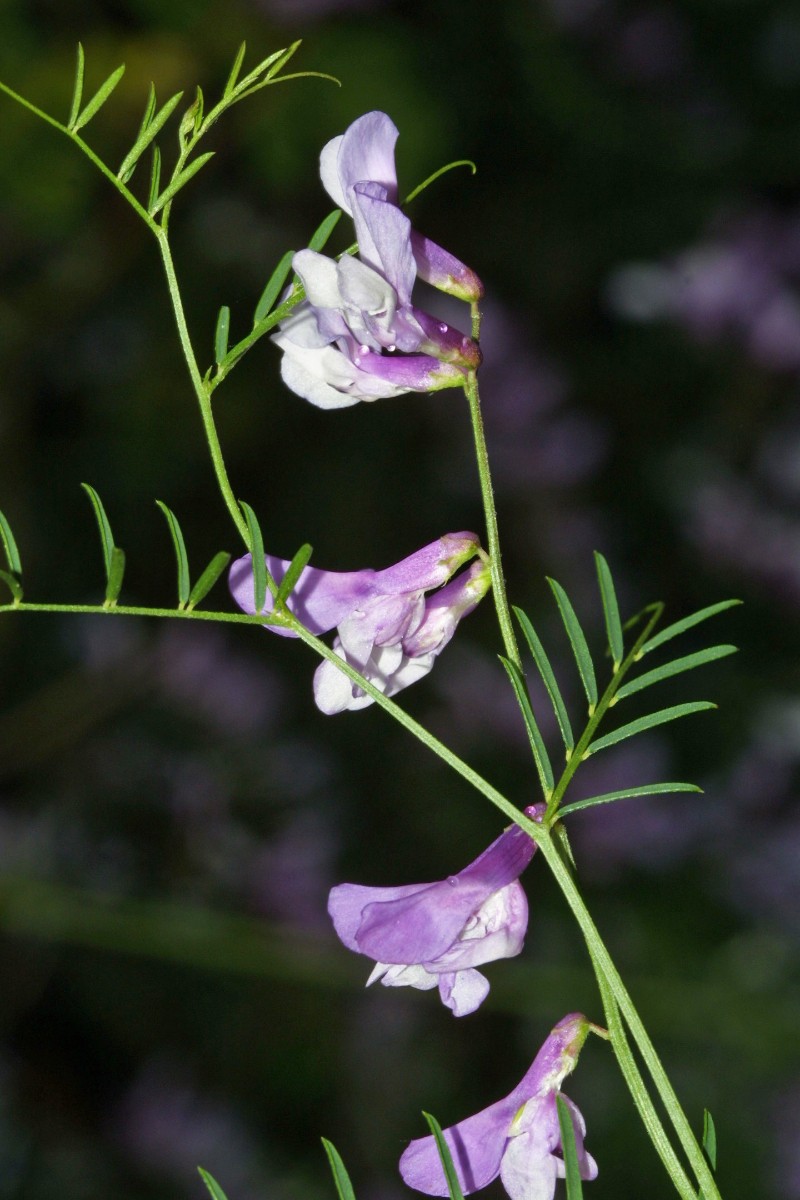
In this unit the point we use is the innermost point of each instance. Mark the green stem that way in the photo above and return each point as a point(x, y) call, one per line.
point(133, 610)
point(637, 1087)
point(490, 517)
point(604, 962)
point(580, 750)
point(201, 391)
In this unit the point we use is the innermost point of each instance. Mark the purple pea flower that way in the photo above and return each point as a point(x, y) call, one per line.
point(427, 935)
point(517, 1138)
point(388, 627)
point(341, 344)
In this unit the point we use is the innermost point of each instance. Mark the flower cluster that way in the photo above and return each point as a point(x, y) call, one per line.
point(390, 625)
point(357, 335)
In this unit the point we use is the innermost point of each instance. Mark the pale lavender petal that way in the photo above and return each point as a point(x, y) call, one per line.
point(445, 608)
point(383, 233)
point(421, 926)
point(347, 901)
point(463, 992)
point(369, 304)
point(443, 270)
point(430, 566)
point(476, 1144)
point(320, 278)
point(321, 599)
point(364, 152)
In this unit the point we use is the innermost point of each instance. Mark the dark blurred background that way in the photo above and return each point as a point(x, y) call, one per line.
point(173, 807)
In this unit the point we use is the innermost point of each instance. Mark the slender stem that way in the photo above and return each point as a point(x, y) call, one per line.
point(580, 750)
point(637, 1087)
point(133, 610)
point(606, 965)
point(490, 516)
point(201, 391)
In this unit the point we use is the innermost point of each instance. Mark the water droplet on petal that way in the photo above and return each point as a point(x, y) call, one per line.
point(391, 349)
point(453, 880)
point(357, 360)
point(442, 328)
point(364, 349)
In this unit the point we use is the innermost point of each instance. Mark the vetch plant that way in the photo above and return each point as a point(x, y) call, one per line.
point(348, 330)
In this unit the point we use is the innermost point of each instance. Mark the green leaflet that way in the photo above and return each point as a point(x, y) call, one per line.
point(10, 547)
point(178, 182)
point(453, 1186)
point(274, 285)
point(106, 536)
point(608, 596)
point(344, 1187)
point(150, 128)
point(235, 69)
point(324, 230)
point(569, 1150)
point(293, 573)
point(647, 789)
point(548, 678)
point(649, 722)
point(77, 89)
point(209, 577)
point(540, 756)
point(98, 99)
point(578, 640)
point(257, 552)
point(675, 667)
point(181, 556)
point(687, 623)
point(221, 333)
point(215, 1190)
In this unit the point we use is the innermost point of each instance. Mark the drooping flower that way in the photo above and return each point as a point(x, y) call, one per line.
point(391, 624)
point(357, 335)
point(428, 935)
point(517, 1138)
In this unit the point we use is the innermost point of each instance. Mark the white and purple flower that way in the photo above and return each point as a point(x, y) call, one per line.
point(519, 1137)
point(391, 625)
point(427, 935)
point(357, 335)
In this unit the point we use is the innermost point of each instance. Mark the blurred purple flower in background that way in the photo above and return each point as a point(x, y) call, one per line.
point(357, 336)
point(517, 1138)
point(428, 935)
point(741, 282)
point(388, 628)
